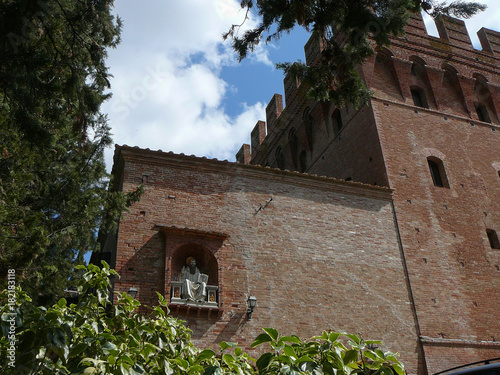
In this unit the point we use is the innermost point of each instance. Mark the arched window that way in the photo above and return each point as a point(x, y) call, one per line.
point(438, 172)
point(280, 159)
point(309, 125)
point(493, 238)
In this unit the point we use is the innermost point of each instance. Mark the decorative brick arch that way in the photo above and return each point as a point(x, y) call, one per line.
point(432, 152)
point(484, 104)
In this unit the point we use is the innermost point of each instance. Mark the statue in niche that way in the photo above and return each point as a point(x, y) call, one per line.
point(194, 283)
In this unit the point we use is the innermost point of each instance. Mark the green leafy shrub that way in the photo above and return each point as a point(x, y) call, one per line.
point(95, 336)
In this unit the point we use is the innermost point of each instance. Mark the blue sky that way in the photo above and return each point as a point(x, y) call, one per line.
point(177, 87)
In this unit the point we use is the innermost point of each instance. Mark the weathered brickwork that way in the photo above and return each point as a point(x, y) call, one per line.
point(436, 105)
point(317, 253)
point(411, 261)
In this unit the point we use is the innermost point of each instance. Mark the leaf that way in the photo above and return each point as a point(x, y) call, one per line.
point(370, 355)
point(380, 353)
point(354, 338)
point(333, 336)
point(212, 370)
point(386, 370)
point(262, 338)
point(77, 349)
point(273, 333)
point(294, 339)
point(197, 369)
point(350, 356)
point(264, 361)
point(289, 351)
point(304, 358)
point(373, 342)
point(204, 355)
point(228, 358)
point(399, 369)
point(90, 371)
point(225, 345)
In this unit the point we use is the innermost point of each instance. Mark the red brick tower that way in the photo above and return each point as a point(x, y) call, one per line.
point(431, 133)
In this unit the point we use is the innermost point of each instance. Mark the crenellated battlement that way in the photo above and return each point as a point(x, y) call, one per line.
point(450, 57)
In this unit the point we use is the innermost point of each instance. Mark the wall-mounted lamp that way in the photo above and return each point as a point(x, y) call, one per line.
point(133, 292)
point(251, 302)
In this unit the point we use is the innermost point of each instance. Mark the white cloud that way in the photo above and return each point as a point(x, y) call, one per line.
point(167, 90)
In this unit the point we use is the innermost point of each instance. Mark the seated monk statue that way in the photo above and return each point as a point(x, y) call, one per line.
point(194, 285)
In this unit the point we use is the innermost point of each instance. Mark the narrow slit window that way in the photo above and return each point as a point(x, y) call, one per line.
point(303, 161)
point(493, 238)
point(337, 121)
point(280, 159)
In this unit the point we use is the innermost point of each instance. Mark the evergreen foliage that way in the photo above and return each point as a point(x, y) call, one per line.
point(93, 336)
point(53, 189)
point(349, 31)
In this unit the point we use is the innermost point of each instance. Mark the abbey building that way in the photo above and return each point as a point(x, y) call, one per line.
point(382, 220)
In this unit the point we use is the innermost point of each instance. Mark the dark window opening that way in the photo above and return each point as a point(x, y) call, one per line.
point(280, 159)
point(336, 121)
point(493, 238)
point(419, 98)
point(482, 114)
point(309, 124)
point(438, 173)
point(303, 161)
point(292, 139)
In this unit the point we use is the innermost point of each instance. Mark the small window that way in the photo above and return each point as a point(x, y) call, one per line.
point(336, 121)
point(418, 98)
point(482, 114)
point(438, 172)
point(493, 238)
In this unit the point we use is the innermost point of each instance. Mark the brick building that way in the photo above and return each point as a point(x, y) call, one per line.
point(398, 242)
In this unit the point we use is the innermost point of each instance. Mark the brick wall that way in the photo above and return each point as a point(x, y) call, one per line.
point(453, 270)
point(322, 254)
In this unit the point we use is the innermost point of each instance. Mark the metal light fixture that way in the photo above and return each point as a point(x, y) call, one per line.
point(133, 291)
point(251, 302)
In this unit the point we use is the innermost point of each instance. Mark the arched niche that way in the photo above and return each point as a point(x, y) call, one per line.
point(418, 66)
point(420, 87)
point(309, 126)
point(280, 158)
point(452, 94)
point(205, 261)
point(384, 76)
point(483, 101)
point(294, 146)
